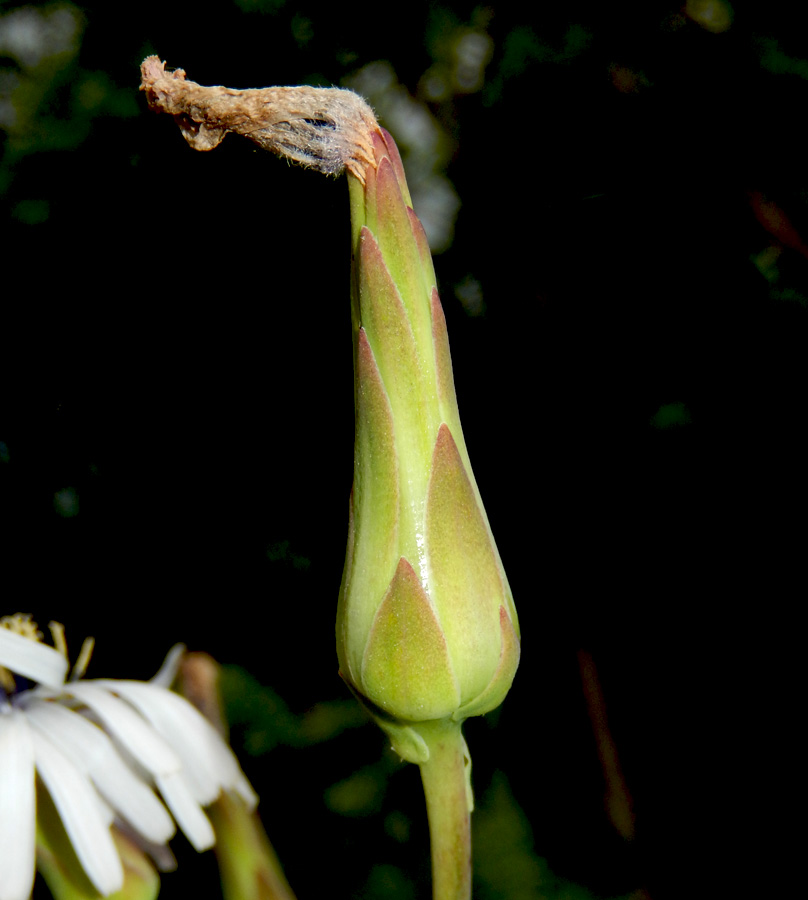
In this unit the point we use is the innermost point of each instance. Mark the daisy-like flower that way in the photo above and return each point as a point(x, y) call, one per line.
point(102, 749)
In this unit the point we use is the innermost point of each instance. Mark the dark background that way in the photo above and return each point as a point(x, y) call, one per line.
point(626, 294)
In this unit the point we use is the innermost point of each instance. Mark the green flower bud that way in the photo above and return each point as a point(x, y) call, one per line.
point(426, 625)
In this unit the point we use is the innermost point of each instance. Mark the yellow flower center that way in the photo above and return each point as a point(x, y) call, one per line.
point(20, 623)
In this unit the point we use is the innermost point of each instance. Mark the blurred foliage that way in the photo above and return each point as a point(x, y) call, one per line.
point(506, 864)
point(670, 414)
point(619, 197)
point(268, 722)
point(47, 100)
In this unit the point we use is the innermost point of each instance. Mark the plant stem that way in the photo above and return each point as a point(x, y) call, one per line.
point(445, 776)
point(249, 868)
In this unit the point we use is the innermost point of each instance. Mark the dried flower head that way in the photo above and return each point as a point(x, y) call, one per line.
point(321, 128)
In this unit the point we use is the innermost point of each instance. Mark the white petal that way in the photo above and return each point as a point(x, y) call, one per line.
point(171, 664)
point(93, 753)
point(127, 727)
point(208, 763)
point(36, 661)
point(17, 807)
point(83, 815)
point(193, 822)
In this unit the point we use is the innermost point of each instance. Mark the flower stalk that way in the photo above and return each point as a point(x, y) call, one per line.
point(445, 777)
point(427, 632)
point(248, 864)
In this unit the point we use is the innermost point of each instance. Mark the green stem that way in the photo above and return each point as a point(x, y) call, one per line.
point(249, 868)
point(445, 776)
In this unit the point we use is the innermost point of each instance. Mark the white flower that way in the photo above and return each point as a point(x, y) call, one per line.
point(100, 747)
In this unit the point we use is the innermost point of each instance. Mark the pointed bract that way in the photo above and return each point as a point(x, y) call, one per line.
point(407, 662)
point(466, 585)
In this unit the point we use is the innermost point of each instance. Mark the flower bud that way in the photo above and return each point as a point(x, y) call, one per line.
point(426, 625)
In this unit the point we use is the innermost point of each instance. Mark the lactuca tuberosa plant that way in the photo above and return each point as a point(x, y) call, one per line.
point(427, 633)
